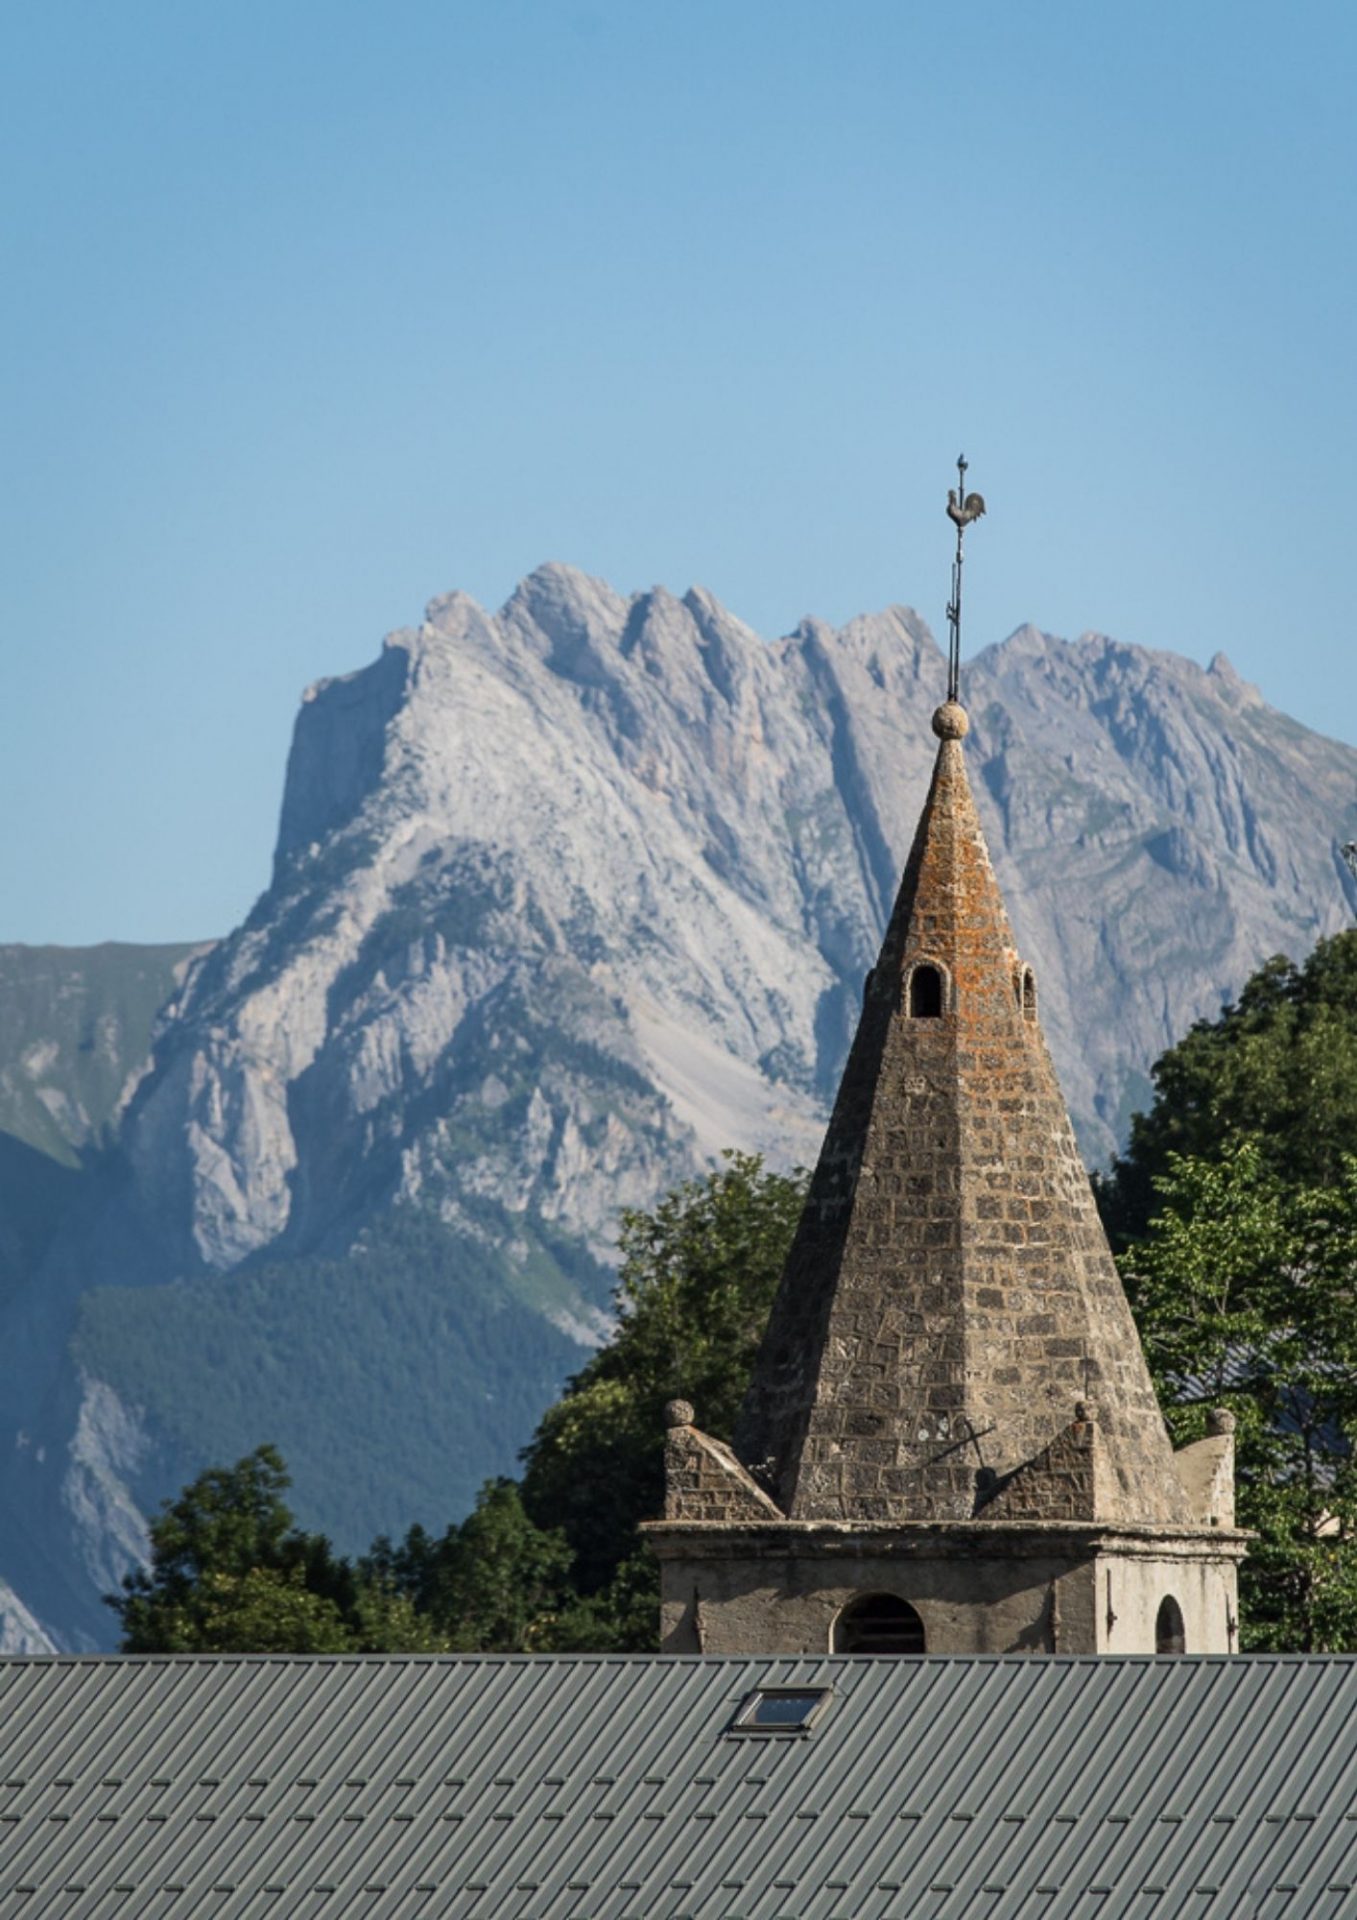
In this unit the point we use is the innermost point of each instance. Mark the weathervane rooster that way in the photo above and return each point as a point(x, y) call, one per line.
point(962, 509)
point(962, 512)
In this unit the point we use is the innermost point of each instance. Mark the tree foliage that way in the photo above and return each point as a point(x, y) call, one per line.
point(230, 1572)
point(228, 1567)
point(1235, 1206)
point(496, 1583)
point(1278, 1067)
point(1243, 1289)
point(696, 1283)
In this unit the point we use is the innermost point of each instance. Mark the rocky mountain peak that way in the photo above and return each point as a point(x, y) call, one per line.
point(1233, 686)
point(574, 620)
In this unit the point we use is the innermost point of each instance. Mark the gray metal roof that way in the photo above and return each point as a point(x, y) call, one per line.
point(607, 1788)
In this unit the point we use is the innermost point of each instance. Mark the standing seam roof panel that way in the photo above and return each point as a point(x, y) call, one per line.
point(956, 1788)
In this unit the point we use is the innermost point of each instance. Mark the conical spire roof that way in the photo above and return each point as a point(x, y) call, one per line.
point(950, 1298)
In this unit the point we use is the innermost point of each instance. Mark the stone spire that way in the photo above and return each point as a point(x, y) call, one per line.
point(950, 1341)
point(950, 1442)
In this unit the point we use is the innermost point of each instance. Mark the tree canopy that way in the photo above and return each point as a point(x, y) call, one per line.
point(1235, 1207)
point(1278, 1066)
point(1243, 1289)
point(697, 1280)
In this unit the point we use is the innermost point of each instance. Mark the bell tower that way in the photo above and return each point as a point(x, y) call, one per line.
point(950, 1442)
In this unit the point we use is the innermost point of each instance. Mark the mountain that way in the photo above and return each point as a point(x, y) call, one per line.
point(75, 1031)
point(75, 1028)
point(566, 899)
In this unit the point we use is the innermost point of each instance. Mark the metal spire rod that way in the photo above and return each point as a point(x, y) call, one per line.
point(962, 508)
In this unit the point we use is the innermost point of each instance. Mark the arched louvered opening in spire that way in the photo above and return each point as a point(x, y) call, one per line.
point(1170, 1635)
point(879, 1623)
point(927, 991)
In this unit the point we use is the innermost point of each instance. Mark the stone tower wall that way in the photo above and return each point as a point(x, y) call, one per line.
point(1034, 1592)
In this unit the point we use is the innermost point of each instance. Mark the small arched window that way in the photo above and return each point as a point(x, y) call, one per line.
point(879, 1623)
point(1028, 994)
point(925, 993)
point(1170, 1636)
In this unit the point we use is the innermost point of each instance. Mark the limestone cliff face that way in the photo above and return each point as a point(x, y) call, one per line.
point(1158, 831)
point(569, 897)
point(638, 827)
point(602, 820)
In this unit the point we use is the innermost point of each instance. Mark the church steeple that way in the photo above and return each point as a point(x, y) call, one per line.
point(950, 1441)
point(950, 1296)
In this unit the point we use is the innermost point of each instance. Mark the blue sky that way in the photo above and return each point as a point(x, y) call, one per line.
point(316, 311)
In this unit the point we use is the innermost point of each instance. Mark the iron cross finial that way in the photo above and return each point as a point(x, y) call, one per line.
point(962, 508)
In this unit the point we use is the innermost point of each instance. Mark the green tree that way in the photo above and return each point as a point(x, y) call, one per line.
point(494, 1584)
point(697, 1280)
point(1279, 1067)
point(1205, 1282)
point(1243, 1287)
point(559, 1564)
point(232, 1523)
point(231, 1572)
point(262, 1610)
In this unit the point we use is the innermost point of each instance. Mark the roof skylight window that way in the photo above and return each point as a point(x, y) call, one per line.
point(780, 1710)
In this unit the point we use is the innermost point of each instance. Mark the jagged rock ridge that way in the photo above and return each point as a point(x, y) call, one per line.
point(567, 898)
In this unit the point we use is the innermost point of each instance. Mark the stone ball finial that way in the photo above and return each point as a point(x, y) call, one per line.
point(951, 722)
point(678, 1413)
point(1220, 1420)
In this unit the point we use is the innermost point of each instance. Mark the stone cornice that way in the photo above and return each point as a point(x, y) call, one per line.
point(940, 1539)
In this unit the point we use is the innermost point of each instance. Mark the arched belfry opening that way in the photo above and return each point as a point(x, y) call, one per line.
point(879, 1623)
point(925, 992)
point(1170, 1635)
